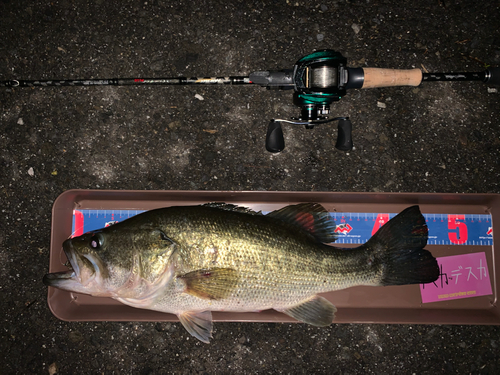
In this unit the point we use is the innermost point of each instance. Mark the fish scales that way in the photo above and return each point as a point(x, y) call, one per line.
point(277, 264)
point(192, 260)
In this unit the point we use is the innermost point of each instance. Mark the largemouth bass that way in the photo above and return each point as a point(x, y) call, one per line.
point(192, 260)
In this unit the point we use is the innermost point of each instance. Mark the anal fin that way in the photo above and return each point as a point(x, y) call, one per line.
point(198, 324)
point(317, 311)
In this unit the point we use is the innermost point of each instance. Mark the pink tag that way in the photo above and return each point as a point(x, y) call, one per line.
point(462, 276)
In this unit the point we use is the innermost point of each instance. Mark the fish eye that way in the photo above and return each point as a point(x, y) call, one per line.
point(96, 241)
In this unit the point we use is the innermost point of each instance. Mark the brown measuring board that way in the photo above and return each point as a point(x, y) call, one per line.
point(461, 228)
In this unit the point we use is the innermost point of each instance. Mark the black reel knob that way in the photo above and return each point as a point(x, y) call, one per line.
point(275, 142)
point(344, 136)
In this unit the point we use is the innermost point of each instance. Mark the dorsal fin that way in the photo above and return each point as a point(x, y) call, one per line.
point(231, 207)
point(309, 216)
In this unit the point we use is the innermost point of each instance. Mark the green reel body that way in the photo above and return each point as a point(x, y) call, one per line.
point(319, 79)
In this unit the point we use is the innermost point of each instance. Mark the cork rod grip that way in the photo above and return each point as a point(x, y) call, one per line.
point(376, 77)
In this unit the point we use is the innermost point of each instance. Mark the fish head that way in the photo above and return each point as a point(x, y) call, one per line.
point(116, 262)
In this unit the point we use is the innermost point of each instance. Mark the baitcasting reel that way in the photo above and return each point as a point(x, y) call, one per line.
point(318, 79)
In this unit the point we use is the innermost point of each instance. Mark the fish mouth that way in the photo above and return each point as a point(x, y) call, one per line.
point(86, 272)
point(57, 279)
point(69, 279)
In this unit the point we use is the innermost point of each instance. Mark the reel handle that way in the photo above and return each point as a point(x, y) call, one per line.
point(344, 137)
point(275, 142)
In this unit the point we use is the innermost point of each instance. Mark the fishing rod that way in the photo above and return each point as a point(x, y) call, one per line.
point(318, 80)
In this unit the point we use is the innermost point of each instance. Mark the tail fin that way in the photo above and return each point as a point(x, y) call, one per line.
point(399, 245)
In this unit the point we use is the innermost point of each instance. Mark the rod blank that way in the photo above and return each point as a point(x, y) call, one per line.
point(234, 80)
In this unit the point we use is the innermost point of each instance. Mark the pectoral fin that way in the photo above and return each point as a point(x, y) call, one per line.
point(198, 324)
point(215, 283)
point(316, 311)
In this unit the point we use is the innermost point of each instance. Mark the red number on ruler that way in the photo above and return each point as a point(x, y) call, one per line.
point(453, 223)
point(379, 221)
point(79, 219)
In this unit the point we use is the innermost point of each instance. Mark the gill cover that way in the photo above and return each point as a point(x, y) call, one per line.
point(116, 262)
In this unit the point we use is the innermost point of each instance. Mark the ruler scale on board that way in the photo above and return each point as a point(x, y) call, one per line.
point(444, 229)
point(352, 227)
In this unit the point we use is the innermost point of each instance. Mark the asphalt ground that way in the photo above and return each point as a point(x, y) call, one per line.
point(438, 137)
